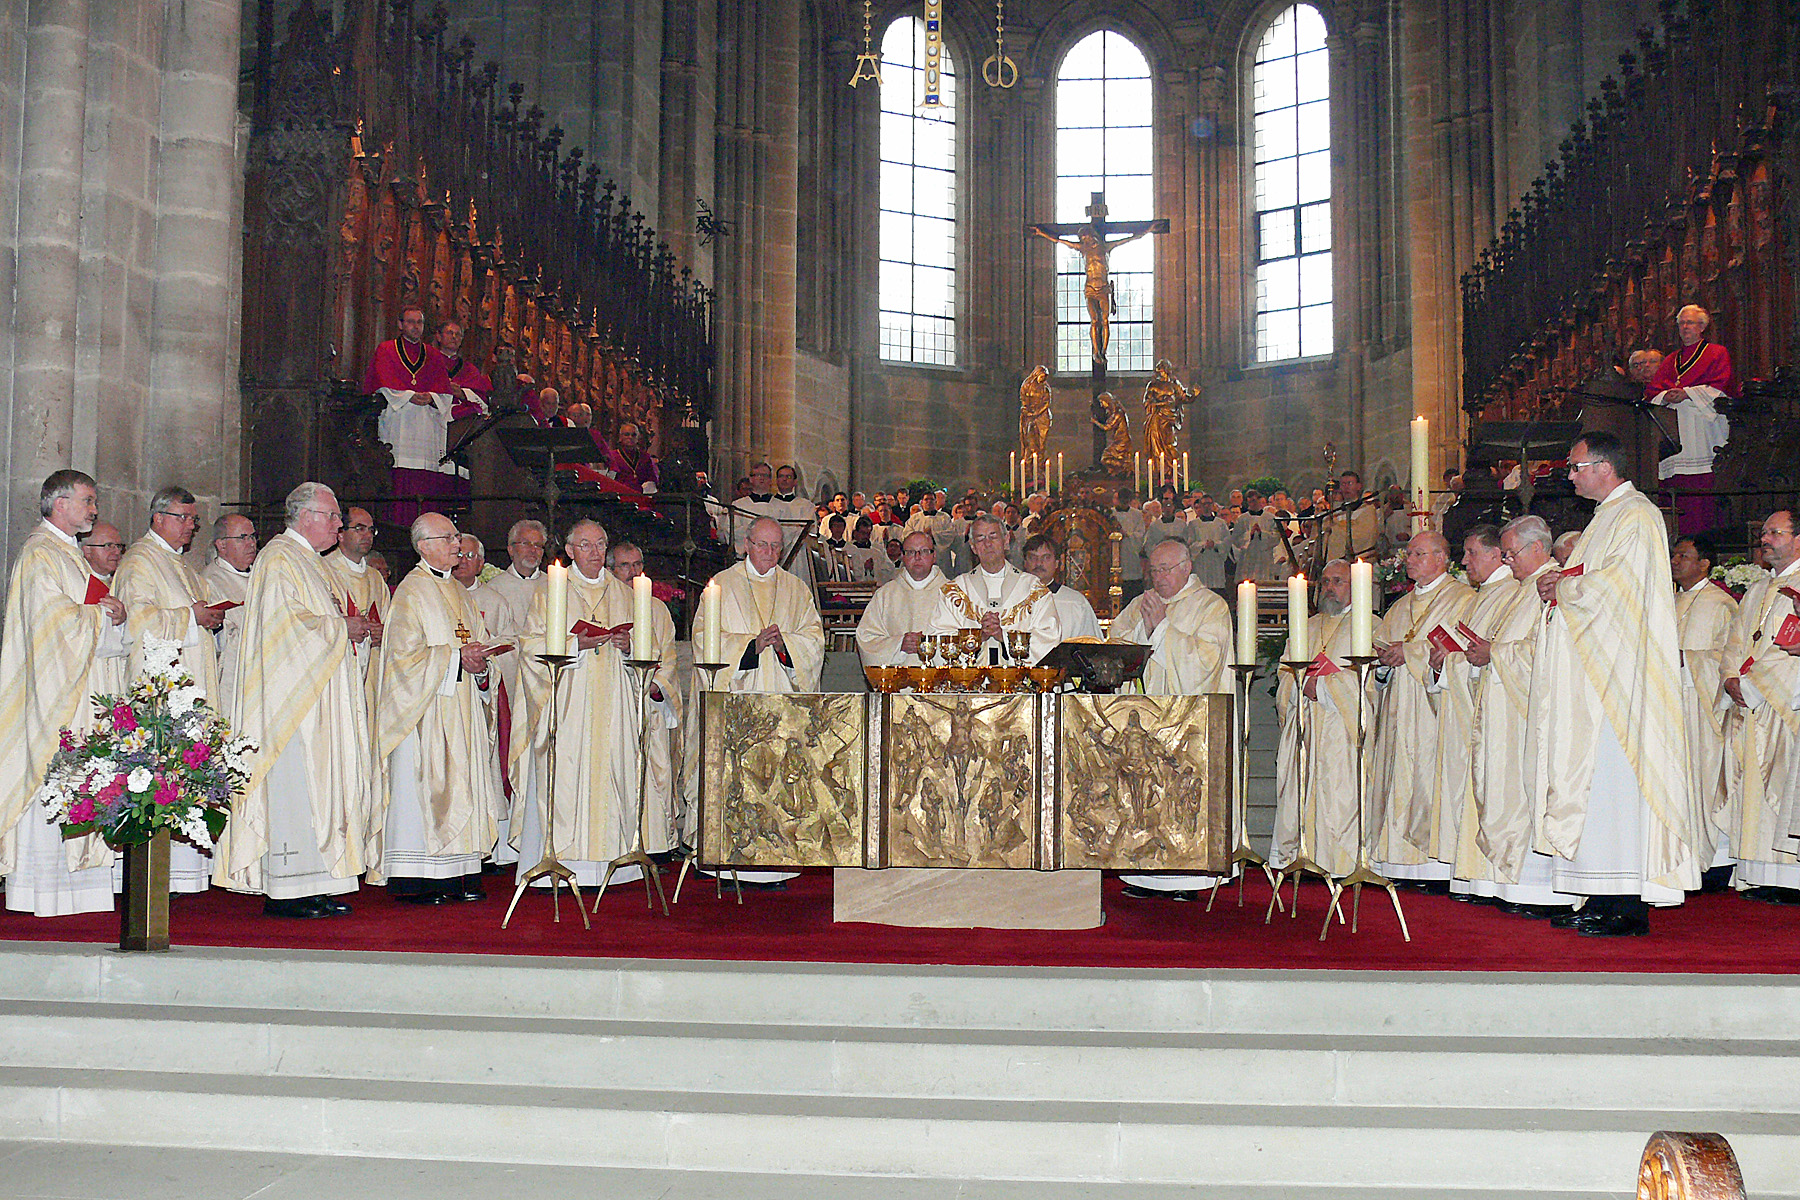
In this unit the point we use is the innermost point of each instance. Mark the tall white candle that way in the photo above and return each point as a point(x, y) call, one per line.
point(1297, 647)
point(556, 610)
point(1012, 471)
point(1362, 609)
point(640, 617)
point(1059, 470)
point(713, 627)
point(1137, 472)
point(1187, 481)
point(1246, 623)
point(1421, 473)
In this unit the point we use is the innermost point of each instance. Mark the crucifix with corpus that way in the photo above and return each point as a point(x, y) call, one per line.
point(1093, 241)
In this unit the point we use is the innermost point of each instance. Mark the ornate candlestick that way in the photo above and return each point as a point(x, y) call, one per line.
point(641, 669)
point(1242, 853)
point(693, 855)
point(1365, 871)
point(550, 865)
point(1301, 865)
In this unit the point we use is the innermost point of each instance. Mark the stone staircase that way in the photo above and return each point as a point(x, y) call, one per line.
point(1089, 1082)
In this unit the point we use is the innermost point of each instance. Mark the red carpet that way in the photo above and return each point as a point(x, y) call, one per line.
point(1713, 933)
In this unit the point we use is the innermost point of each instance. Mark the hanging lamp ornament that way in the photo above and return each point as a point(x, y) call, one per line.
point(934, 53)
point(1000, 71)
point(868, 63)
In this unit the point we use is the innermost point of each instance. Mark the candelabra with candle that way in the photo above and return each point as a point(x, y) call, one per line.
point(1365, 872)
point(1302, 865)
point(550, 866)
point(641, 669)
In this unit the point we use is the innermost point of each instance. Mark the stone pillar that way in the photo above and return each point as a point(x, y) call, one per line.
point(193, 399)
point(42, 409)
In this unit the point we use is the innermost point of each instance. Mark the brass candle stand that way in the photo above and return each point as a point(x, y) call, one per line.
point(692, 858)
point(1365, 873)
point(550, 866)
point(1302, 865)
point(1243, 855)
point(641, 670)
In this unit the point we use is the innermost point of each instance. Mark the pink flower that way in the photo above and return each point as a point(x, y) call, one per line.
point(81, 811)
point(196, 754)
point(166, 791)
point(67, 740)
point(124, 720)
point(113, 790)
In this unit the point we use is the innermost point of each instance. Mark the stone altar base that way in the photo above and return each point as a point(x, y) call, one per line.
point(935, 898)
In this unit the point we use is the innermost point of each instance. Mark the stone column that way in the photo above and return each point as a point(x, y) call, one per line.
point(42, 410)
point(193, 399)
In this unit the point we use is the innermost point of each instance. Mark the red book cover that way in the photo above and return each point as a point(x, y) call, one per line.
point(375, 614)
point(589, 629)
point(1468, 633)
point(1574, 571)
point(1789, 633)
point(226, 605)
point(1440, 637)
point(97, 590)
point(1323, 666)
point(1792, 594)
point(349, 606)
point(497, 651)
point(1748, 663)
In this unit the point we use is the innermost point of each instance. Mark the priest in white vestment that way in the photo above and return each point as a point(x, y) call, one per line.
point(1316, 817)
point(1043, 558)
point(1761, 706)
point(302, 830)
point(165, 598)
point(434, 729)
point(597, 810)
point(1497, 825)
point(1610, 784)
point(900, 611)
point(227, 579)
point(51, 655)
point(998, 598)
point(1404, 808)
point(1704, 613)
point(626, 562)
point(361, 589)
point(1188, 630)
point(505, 602)
point(1452, 683)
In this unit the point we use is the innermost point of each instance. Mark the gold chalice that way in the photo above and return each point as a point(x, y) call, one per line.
point(1018, 646)
point(1044, 678)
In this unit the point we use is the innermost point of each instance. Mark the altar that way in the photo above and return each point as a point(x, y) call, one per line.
point(1064, 783)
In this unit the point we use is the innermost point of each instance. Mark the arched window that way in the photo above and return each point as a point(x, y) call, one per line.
point(1290, 116)
point(1103, 145)
point(917, 289)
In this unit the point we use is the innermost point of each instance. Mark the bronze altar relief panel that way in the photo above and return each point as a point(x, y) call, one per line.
point(785, 783)
point(960, 781)
point(1145, 783)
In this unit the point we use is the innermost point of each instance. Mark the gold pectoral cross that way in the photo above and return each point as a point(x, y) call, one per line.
point(462, 635)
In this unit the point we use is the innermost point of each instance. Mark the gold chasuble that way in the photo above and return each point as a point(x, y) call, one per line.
point(1404, 809)
point(454, 778)
point(1608, 685)
point(1499, 823)
point(159, 590)
point(299, 700)
point(1191, 645)
point(747, 606)
point(1317, 817)
point(1704, 615)
point(596, 743)
point(1764, 738)
point(1018, 599)
point(1454, 695)
point(47, 664)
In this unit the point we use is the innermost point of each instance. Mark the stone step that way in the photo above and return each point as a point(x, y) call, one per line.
point(1286, 1003)
point(1300, 1069)
point(1529, 1150)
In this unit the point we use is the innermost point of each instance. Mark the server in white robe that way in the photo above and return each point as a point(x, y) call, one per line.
point(900, 611)
point(434, 730)
point(54, 641)
point(505, 602)
point(1613, 798)
point(1761, 706)
point(1043, 558)
point(626, 562)
point(227, 579)
point(1210, 545)
point(1704, 613)
point(1188, 629)
point(1316, 817)
point(997, 598)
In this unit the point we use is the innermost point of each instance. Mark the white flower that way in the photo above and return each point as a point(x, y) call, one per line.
point(1744, 574)
point(139, 780)
point(160, 655)
point(183, 699)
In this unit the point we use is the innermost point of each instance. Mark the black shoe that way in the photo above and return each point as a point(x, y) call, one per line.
point(422, 899)
point(769, 885)
point(331, 906)
point(1773, 895)
point(298, 908)
point(1619, 924)
point(1716, 879)
point(1182, 896)
point(1536, 912)
point(1435, 887)
point(465, 890)
point(490, 867)
point(1566, 919)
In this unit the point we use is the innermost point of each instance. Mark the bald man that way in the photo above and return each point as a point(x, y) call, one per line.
point(228, 579)
point(103, 548)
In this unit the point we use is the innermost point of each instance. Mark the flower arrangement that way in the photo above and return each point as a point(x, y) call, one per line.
point(1737, 574)
point(159, 757)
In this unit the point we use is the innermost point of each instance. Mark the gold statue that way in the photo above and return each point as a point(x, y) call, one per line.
point(1095, 249)
point(1164, 398)
point(1034, 413)
point(1111, 417)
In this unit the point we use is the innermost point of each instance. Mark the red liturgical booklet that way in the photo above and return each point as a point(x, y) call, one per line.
point(1440, 637)
point(1789, 633)
point(1322, 666)
point(97, 590)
